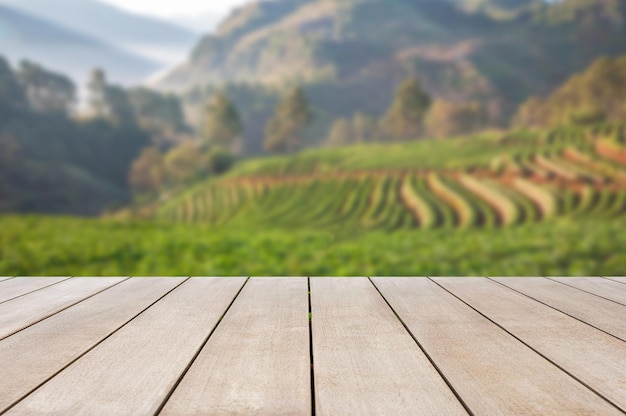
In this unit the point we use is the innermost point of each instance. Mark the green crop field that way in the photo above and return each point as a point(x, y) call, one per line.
point(515, 204)
point(482, 182)
point(77, 247)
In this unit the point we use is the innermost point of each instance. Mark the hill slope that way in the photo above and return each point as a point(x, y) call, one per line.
point(356, 51)
point(478, 182)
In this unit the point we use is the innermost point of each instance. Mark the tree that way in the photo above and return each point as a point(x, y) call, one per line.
point(157, 111)
point(119, 109)
point(186, 162)
point(291, 117)
point(341, 133)
point(147, 173)
point(11, 93)
point(530, 113)
point(595, 95)
point(445, 118)
point(97, 86)
point(110, 102)
point(404, 120)
point(46, 91)
point(365, 128)
point(222, 125)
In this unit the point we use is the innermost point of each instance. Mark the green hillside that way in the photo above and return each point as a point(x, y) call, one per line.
point(305, 78)
point(525, 203)
point(482, 182)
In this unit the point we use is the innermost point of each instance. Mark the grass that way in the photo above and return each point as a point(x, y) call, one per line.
point(424, 154)
point(55, 246)
point(357, 224)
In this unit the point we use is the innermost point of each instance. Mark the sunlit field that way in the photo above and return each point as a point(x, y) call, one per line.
point(64, 246)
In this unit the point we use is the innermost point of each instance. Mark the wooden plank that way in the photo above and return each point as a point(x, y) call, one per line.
point(265, 372)
point(31, 356)
point(3, 278)
point(595, 358)
point(492, 372)
point(365, 361)
point(617, 279)
point(599, 286)
point(21, 312)
point(601, 313)
point(133, 371)
point(23, 285)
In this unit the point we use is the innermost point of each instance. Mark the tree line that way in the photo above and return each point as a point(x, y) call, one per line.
point(595, 95)
point(58, 155)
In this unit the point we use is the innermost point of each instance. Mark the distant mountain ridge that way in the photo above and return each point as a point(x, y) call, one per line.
point(23, 36)
point(154, 38)
point(496, 51)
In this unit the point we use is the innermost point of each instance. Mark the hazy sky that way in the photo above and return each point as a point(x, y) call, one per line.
point(173, 8)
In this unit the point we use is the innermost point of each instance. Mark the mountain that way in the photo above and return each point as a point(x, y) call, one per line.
point(156, 39)
point(352, 53)
point(23, 36)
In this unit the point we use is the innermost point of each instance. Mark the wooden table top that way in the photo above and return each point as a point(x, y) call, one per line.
point(312, 346)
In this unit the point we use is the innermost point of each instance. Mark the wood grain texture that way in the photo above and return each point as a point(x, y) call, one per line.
point(599, 286)
point(132, 372)
point(491, 371)
point(21, 312)
point(601, 313)
point(23, 285)
point(33, 355)
point(257, 361)
point(365, 361)
point(595, 358)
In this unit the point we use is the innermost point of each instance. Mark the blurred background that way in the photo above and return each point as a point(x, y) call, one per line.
point(312, 137)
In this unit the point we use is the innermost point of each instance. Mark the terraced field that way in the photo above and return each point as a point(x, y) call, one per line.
point(517, 179)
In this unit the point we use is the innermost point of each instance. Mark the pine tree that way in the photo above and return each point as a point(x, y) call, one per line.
point(365, 128)
point(445, 118)
point(46, 91)
point(340, 133)
point(120, 110)
point(147, 173)
point(222, 126)
point(291, 117)
point(405, 117)
point(97, 87)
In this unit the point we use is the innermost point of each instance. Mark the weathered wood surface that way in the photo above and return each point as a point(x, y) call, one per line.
point(365, 362)
point(617, 279)
point(601, 313)
point(608, 289)
point(23, 285)
point(257, 361)
point(489, 369)
point(593, 357)
point(237, 346)
point(21, 312)
point(2, 278)
point(132, 372)
point(59, 340)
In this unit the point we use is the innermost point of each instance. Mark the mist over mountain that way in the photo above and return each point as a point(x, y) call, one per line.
point(352, 53)
point(155, 39)
point(202, 23)
point(23, 36)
